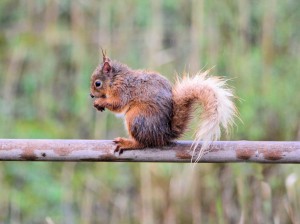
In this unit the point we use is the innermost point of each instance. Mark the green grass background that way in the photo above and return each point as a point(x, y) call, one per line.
point(48, 50)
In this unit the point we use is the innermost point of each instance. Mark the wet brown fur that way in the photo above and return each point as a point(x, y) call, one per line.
point(155, 114)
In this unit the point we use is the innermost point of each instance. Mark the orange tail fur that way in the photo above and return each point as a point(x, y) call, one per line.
point(218, 108)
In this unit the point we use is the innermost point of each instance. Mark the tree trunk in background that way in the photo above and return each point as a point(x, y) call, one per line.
point(86, 204)
point(196, 33)
point(4, 195)
point(195, 194)
point(47, 81)
point(79, 36)
point(268, 29)
point(271, 119)
point(13, 77)
point(67, 203)
point(147, 213)
point(244, 7)
point(154, 34)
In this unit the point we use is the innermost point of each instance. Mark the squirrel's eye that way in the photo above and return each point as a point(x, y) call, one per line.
point(98, 83)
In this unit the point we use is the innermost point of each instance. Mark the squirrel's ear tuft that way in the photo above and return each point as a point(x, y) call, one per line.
point(106, 68)
point(104, 57)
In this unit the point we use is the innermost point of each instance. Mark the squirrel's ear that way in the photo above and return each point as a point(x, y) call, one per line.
point(106, 67)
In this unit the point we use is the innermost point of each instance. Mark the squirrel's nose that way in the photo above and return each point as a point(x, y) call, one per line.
point(92, 95)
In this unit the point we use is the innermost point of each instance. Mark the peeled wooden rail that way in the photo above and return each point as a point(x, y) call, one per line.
point(103, 150)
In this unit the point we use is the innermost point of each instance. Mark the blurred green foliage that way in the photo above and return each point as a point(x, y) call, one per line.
point(48, 50)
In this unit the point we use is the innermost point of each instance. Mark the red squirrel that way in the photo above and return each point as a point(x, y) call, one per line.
point(157, 112)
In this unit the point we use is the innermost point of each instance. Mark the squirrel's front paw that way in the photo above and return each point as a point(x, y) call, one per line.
point(99, 107)
point(118, 142)
point(126, 144)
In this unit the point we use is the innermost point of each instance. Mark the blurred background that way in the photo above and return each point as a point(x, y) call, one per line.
point(48, 50)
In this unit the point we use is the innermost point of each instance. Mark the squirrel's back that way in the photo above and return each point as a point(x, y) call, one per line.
point(151, 87)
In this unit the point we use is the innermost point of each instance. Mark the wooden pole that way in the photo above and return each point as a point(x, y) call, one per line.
point(103, 150)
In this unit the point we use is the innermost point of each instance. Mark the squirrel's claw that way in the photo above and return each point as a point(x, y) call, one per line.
point(118, 147)
point(126, 144)
point(99, 107)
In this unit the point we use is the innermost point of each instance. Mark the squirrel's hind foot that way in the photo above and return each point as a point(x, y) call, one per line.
point(126, 144)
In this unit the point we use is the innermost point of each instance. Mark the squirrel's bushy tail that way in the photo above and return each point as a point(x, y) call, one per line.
point(217, 104)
